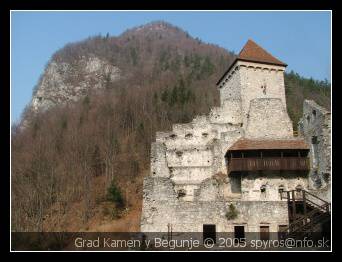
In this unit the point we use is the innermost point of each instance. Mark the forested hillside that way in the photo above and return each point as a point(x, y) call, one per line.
point(80, 165)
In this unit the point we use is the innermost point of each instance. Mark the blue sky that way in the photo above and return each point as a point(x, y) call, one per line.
point(300, 39)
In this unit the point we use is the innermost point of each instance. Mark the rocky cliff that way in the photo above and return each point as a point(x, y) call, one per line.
point(63, 82)
point(151, 51)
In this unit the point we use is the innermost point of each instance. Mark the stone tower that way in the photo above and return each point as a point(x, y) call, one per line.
point(256, 80)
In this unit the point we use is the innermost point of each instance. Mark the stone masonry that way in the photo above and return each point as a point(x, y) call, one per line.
point(315, 127)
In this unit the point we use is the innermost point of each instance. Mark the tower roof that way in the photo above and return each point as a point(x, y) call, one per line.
point(255, 53)
point(252, 52)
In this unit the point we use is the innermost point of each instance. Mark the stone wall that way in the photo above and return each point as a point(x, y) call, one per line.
point(315, 127)
point(268, 119)
point(252, 183)
point(260, 81)
point(230, 88)
point(161, 209)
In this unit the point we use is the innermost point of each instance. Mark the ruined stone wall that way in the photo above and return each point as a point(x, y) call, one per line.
point(228, 113)
point(252, 183)
point(315, 127)
point(194, 152)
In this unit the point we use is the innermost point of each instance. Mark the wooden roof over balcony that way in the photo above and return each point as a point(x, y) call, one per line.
point(248, 144)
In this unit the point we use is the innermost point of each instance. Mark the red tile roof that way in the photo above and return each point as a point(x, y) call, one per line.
point(255, 53)
point(252, 52)
point(247, 144)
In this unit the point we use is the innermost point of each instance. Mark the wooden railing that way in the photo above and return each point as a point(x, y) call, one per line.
point(268, 163)
point(320, 210)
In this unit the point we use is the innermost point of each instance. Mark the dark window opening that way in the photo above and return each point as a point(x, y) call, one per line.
point(263, 189)
point(314, 140)
point(181, 193)
point(179, 153)
point(326, 177)
point(209, 232)
point(188, 135)
point(281, 189)
point(264, 232)
point(308, 119)
point(239, 234)
point(314, 112)
point(282, 230)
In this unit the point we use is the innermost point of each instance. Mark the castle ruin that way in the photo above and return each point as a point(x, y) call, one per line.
point(242, 157)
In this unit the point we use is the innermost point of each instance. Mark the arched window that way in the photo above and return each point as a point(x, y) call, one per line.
point(281, 189)
point(299, 188)
point(263, 192)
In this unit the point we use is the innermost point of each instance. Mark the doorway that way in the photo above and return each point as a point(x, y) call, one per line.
point(209, 231)
point(282, 231)
point(264, 232)
point(235, 182)
point(239, 234)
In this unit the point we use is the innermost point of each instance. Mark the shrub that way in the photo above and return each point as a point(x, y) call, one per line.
point(232, 213)
point(115, 195)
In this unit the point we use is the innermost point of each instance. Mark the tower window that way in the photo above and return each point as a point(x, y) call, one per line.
point(189, 135)
point(204, 134)
point(181, 193)
point(263, 189)
point(179, 153)
point(263, 87)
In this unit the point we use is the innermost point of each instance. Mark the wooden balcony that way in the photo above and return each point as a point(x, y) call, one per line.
point(268, 163)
